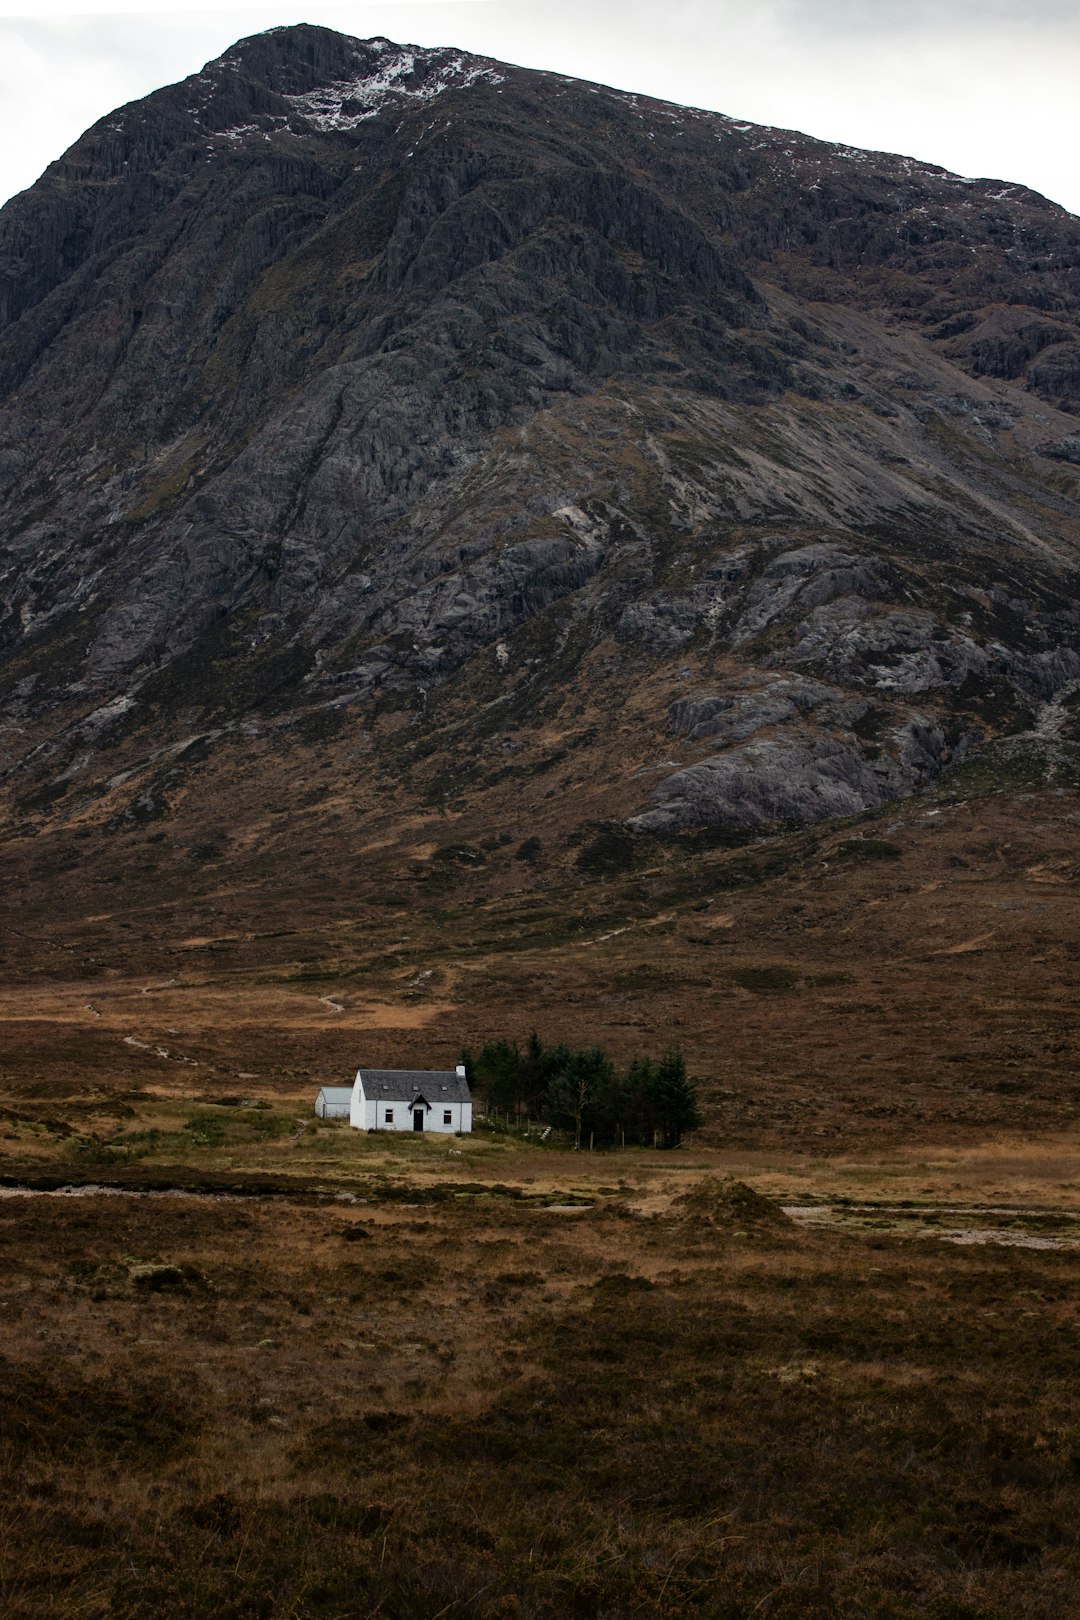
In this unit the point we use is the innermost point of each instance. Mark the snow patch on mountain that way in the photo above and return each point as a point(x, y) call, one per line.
point(402, 74)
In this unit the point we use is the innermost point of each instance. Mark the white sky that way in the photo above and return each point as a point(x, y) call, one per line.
point(985, 87)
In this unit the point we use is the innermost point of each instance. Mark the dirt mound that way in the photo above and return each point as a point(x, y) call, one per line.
point(724, 1201)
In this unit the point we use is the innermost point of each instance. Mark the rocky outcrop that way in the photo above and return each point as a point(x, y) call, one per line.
point(794, 778)
point(735, 718)
point(803, 580)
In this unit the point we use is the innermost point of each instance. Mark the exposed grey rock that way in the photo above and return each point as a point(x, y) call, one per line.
point(1062, 450)
point(807, 578)
point(659, 626)
point(699, 717)
point(802, 778)
point(1043, 675)
point(987, 417)
point(902, 652)
point(733, 719)
point(735, 567)
point(763, 783)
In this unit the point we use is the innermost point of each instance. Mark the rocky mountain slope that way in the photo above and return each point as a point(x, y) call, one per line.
point(456, 435)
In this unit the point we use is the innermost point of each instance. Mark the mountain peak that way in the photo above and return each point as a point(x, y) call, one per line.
point(399, 73)
point(335, 81)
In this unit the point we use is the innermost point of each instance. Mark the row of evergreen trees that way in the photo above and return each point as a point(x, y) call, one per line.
point(652, 1103)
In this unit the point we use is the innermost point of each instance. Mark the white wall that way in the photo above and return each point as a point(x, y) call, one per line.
point(333, 1110)
point(369, 1114)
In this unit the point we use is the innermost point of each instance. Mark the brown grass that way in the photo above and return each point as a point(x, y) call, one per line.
point(483, 1408)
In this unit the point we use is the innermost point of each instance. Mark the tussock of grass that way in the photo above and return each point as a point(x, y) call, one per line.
point(727, 1201)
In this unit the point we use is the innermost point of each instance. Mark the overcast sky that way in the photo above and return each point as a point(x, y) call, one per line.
point(985, 87)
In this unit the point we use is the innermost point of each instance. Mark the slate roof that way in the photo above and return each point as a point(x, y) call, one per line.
point(336, 1094)
point(402, 1085)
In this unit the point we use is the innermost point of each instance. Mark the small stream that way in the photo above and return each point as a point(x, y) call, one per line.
point(948, 1224)
point(93, 1190)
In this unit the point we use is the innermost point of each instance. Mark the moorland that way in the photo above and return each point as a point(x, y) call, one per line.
point(260, 1364)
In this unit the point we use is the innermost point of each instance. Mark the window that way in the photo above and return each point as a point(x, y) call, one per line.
point(447, 1116)
point(389, 1116)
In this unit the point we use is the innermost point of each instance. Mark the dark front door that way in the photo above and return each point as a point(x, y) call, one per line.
point(418, 1119)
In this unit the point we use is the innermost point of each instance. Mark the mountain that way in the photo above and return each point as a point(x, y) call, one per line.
point(424, 476)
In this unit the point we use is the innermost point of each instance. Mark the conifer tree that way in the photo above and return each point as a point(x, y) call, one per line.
point(674, 1099)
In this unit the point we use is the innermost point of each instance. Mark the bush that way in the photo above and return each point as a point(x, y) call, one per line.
point(610, 851)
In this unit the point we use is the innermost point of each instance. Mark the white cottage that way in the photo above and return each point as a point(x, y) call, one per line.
point(411, 1100)
point(333, 1102)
